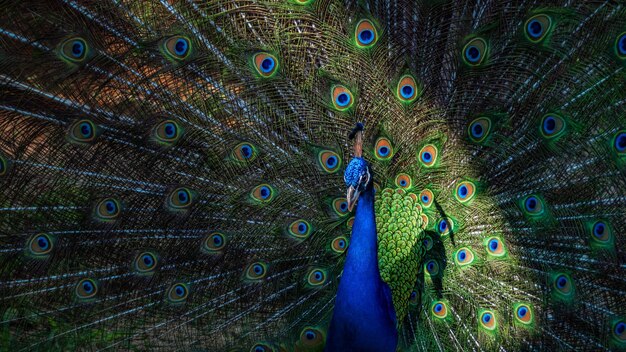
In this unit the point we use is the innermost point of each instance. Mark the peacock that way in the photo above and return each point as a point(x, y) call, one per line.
point(313, 175)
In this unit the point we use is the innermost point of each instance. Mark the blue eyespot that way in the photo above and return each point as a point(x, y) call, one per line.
point(267, 65)
point(265, 192)
point(443, 225)
point(620, 328)
point(430, 266)
point(438, 307)
point(366, 36)
point(462, 255)
point(147, 260)
point(246, 151)
point(531, 204)
point(621, 45)
point(427, 157)
point(88, 287)
point(425, 198)
point(561, 281)
point(43, 243)
point(620, 142)
point(383, 151)
point(170, 130)
point(487, 318)
point(599, 229)
point(522, 311)
point(472, 53)
point(110, 206)
point(463, 191)
point(477, 130)
point(493, 244)
point(78, 48)
point(302, 228)
point(407, 91)
point(183, 196)
point(331, 162)
point(342, 99)
point(310, 335)
point(549, 125)
point(181, 46)
point(258, 269)
point(535, 29)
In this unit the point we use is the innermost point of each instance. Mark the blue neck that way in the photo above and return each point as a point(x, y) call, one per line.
point(364, 318)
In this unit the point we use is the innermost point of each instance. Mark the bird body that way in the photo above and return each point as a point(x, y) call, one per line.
point(187, 175)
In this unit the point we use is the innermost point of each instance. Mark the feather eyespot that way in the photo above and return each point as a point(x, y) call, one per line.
point(620, 46)
point(265, 64)
point(465, 191)
point(432, 268)
point(365, 34)
point(261, 347)
point(619, 143)
point(340, 206)
point(537, 27)
point(256, 271)
point(474, 51)
point(619, 330)
point(108, 209)
point(427, 197)
point(40, 245)
point(487, 320)
point(74, 50)
point(563, 285)
point(339, 244)
point(145, 262)
point(311, 337)
point(413, 298)
point(244, 152)
point(552, 125)
point(263, 193)
point(428, 155)
point(479, 129)
point(83, 131)
point(342, 97)
point(428, 242)
point(495, 247)
point(215, 242)
point(383, 149)
point(444, 226)
point(178, 293)
point(533, 206)
point(167, 132)
point(86, 288)
point(464, 257)
point(407, 89)
point(180, 198)
point(601, 232)
point(403, 181)
point(439, 309)
point(316, 277)
point(177, 47)
point(300, 229)
point(523, 313)
point(329, 161)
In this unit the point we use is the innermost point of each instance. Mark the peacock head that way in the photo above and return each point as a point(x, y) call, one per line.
point(357, 175)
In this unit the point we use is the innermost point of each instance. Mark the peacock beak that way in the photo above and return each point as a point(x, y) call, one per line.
point(352, 197)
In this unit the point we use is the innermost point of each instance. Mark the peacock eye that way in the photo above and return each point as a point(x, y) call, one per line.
point(533, 206)
point(495, 247)
point(444, 226)
point(178, 293)
point(108, 209)
point(619, 330)
point(167, 132)
point(439, 309)
point(82, 131)
point(366, 35)
point(407, 89)
point(552, 125)
point(339, 244)
point(300, 229)
point(428, 243)
point(340, 206)
point(487, 320)
point(74, 50)
point(403, 181)
point(601, 232)
point(620, 46)
point(177, 47)
point(342, 97)
point(263, 193)
point(478, 130)
point(432, 268)
point(464, 256)
point(215, 242)
point(244, 152)
point(311, 337)
point(316, 277)
point(523, 314)
point(383, 149)
point(265, 64)
point(428, 155)
point(563, 285)
point(145, 262)
point(261, 347)
point(40, 245)
point(465, 191)
point(256, 271)
point(86, 288)
point(474, 51)
point(426, 197)
point(180, 198)
point(537, 27)
point(329, 161)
